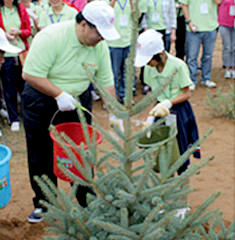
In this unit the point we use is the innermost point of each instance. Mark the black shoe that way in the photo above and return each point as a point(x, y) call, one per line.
point(35, 216)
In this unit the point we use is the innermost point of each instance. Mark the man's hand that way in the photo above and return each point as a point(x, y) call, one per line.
point(161, 109)
point(113, 120)
point(65, 102)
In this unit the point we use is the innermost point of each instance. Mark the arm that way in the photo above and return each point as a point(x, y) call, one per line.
point(25, 28)
point(185, 95)
point(42, 85)
point(187, 18)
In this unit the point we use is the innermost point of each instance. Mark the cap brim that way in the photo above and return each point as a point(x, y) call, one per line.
point(10, 48)
point(109, 34)
point(141, 60)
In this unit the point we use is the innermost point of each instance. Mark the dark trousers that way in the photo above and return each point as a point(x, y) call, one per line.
point(12, 83)
point(38, 110)
point(180, 47)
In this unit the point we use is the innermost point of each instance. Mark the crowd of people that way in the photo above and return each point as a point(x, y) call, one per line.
point(51, 40)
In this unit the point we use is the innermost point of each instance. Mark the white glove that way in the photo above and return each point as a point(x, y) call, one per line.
point(116, 121)
point(148, 122)
point(161, 109)
point(65, 102)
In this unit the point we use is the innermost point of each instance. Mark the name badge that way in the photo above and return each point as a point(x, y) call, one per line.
point(171, 120)
point(123, 20)
point(232, 11)
point(155, 17)
point(204, 8)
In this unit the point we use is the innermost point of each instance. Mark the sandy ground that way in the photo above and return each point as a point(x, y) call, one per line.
point(217, 175)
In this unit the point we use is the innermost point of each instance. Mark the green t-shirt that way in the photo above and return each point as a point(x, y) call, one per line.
point(154, 13)
point(48, 18)
point(11, 20)
point(180, 80)
point(57, 54)
point(203, 13)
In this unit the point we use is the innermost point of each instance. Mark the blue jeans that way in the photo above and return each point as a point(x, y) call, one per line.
point(193, 42)
point(118, 59)
point(12, 83)
point(228, 40)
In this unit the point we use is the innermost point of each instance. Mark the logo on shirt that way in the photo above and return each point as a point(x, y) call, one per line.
point(3, 183)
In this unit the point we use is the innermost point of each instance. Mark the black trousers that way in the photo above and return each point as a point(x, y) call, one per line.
point(38, 110)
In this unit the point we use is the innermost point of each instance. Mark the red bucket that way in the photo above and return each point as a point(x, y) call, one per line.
point(75, 132)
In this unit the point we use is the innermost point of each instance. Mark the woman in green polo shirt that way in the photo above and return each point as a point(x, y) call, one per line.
point(14, 20)
point(57, 12)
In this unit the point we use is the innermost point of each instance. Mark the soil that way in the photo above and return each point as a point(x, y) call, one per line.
point(218, 175)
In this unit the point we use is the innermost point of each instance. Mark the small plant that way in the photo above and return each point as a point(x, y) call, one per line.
point(222, 104)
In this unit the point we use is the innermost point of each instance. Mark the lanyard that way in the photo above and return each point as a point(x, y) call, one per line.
point(122, 6)
point(58, 19)
point(155, 3)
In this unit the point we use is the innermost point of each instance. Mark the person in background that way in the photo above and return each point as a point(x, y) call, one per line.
point(55, 80)
point(5, 46)
point(120, 48)
point(57, 12)
point(14, 20)
point(33, 11)
point(201, 20)
point(226, 19)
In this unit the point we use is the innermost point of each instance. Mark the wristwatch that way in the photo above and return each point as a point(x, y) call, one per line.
point(187, 21)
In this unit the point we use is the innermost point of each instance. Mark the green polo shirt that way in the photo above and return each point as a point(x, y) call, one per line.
point(48, 18)
point(180, 80)
point(154, 13)
point(203, 13)
point(123, 22)
point(57, 54)
point(11, 20)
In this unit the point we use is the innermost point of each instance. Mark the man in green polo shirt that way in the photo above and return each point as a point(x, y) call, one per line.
point(201, 20)
point(55, 78)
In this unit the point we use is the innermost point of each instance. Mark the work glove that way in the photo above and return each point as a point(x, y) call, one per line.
point(161, 109)
point(147, 123)
point(113, 120)
point(66, 102)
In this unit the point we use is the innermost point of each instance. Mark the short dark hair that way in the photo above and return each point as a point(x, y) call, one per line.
point(80, 18)
point(157, 57)
point(15, 3)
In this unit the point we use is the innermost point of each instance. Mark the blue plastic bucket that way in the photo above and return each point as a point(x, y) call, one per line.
point(5, 187)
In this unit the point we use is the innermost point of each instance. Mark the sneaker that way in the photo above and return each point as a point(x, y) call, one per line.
point(95, 97)
point(208, 83)
point(3, 113)
point(192, 87)
point(233, 74)
point(35, 216)
point(228, 74)
point(15, 126)
point(145, 90)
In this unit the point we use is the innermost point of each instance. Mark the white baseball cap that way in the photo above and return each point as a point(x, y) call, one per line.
point(5, 45)
point(149, 43)
point(100, 14)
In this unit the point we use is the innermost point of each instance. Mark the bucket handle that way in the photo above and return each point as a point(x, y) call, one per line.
point(77, 106)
